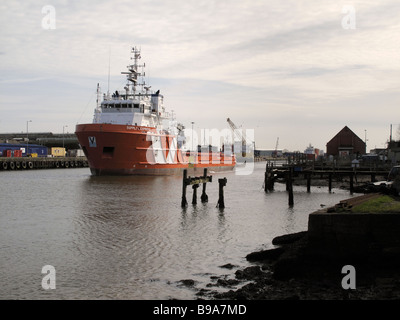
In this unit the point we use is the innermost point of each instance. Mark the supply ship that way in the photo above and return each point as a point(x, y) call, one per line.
point(133, 134)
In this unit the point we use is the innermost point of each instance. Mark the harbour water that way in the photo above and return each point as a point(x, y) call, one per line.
point(128, 237)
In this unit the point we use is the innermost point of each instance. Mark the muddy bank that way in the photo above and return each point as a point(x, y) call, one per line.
point(292, 270)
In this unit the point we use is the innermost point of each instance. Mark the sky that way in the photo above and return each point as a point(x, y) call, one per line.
point(292, 72)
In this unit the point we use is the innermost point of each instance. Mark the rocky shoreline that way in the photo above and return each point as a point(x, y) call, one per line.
point(291, 271)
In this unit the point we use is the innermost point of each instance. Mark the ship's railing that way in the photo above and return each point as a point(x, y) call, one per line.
point(129, 96)
point(208, 157)
point(120, 110)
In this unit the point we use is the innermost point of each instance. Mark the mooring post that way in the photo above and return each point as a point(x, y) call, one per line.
point(308, 182)
point(290, 187)
point(373, 177)
point(222, 184)
point(266, 178)
point(204, 197)
point(330, 182)
point(194, 199)
point(184, 184)
point(269, 178)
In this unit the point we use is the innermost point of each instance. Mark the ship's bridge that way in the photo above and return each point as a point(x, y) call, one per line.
point(123, 106)
point(141, 110)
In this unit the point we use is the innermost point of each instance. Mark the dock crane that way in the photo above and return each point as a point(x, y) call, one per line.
point(240, 136)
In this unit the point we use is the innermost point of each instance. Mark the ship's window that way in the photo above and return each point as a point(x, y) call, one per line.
point(136, 105)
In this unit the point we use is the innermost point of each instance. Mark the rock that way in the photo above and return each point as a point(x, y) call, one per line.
point(228, 266)
point(227, 282)
point(286, 268)
point(249, 273)
point(203, 292)
point(187, 282)
point(270, 254)
point(288, 238)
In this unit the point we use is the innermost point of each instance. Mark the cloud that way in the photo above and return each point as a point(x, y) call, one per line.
point(283, 67)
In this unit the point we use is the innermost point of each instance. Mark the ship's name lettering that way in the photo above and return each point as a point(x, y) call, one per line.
point(135, 128)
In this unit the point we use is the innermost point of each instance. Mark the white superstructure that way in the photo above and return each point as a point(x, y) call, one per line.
point(137, 105)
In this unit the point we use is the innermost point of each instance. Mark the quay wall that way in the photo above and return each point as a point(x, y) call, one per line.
point(354, 235)
point(27, 163)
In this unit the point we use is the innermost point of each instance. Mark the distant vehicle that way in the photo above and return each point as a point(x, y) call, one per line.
point(394, 173)
point(386, 185)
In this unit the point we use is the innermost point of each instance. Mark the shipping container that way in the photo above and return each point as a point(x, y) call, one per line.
point(58, 152)
point(8, 153)
point(32, 148)
point(76, 153)
point(18, 153)
point(40, 150)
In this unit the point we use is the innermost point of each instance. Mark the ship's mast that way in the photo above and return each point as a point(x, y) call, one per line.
point(133, 72)
point(97, 111)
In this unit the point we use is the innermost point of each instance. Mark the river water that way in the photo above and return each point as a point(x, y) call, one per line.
point(129, 238)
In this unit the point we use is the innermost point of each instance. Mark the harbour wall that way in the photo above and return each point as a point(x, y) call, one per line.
point(28, 163)
point(352, 235)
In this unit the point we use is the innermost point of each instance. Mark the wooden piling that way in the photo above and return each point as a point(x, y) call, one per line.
point(222, 184)
point(308, 182)
point(266, 178)
point(290, 187)
point(330, 182)
point(194, 187)
point(269, 178)
point(184, 184)
point(204, 196)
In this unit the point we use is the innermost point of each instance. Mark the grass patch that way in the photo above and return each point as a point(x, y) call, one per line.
point(382, 204)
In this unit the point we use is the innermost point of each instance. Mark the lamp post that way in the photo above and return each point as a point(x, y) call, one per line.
point(63, 133)
point(192, 135)
point(27, 137)
point(365, 141)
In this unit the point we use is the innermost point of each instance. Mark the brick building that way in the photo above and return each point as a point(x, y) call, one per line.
point(345, 143)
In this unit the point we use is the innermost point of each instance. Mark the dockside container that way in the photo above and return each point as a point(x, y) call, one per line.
point(58, 152)
point(21, 150)
point(18, 153)
point(7, 153)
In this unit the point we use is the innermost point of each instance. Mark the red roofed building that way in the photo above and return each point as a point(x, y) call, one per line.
point(345, 143)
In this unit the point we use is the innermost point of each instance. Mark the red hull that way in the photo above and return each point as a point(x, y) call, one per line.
point(128, 150)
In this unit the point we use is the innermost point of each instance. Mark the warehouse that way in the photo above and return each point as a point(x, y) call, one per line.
point(345, 143)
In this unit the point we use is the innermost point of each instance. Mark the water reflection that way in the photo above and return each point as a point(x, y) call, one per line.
point(128, 237)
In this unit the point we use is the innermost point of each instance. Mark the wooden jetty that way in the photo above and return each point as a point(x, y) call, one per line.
point(28, 163)
point(289, 173)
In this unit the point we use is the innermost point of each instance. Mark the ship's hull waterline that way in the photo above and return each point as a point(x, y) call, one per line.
point(136, 150)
